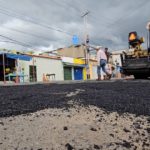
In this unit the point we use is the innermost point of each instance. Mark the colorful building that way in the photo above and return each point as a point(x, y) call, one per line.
point(74, 68)
point(30, 68)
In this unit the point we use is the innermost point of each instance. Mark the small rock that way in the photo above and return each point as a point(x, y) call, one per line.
point(148, 119)
point(130, 137)
point(135, 147)
point(96, 146)
point(69, 147)
point(112, 135)
point(148, 130)
point(139, 120)
point(137, 140)
point(138, 132)
point(115, 124)
point(146, 144)
point(143, 134)
point(99, 120)
point(126, 144)
point(93, 129)
point(65, 128)
point(137, 126)
point(1, 123)
point(126, 130)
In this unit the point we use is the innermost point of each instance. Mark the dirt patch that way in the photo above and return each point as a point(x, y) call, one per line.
point(75, 128)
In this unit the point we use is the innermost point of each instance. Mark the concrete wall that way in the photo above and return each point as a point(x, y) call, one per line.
point(44, 66)
point(73, 51)
point(24, 65)
point(94, 72)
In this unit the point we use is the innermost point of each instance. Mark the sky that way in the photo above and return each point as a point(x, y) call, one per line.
point(44, 25)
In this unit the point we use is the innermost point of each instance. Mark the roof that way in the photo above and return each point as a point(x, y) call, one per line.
point(18, 56)
point(41, 56)
point(72, 64)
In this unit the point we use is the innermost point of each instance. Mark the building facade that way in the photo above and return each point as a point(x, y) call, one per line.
point(42, 68)
point(74, 68)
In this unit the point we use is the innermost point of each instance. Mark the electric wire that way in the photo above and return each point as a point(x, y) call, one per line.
point(31, 20)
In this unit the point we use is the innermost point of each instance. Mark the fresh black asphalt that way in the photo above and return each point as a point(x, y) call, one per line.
point(131, 97)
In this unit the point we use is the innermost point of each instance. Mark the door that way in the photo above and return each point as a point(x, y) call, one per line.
point(32, 73)
point(67, 73)
point(78, 73)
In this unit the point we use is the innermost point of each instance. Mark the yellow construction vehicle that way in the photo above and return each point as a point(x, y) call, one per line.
point(136, 61)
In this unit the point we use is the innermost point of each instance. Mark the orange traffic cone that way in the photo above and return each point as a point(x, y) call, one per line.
point(17, 79)
point(44, 78)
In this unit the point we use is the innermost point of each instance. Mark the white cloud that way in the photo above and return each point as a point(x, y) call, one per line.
point(109, 22)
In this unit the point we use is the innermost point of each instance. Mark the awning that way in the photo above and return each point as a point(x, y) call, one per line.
point(20, 57)
point(74, 65)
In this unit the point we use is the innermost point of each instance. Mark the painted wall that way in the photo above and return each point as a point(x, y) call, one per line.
point(78, 61)
point(44, 66)
point(24, 65)
point(72, 51)
point(81, 62)
point(67, 59)
point(93, 73)
point(74, 62)
point(84, 74)
point(93, 69)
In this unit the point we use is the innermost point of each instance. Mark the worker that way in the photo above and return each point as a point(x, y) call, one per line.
point(102, 61)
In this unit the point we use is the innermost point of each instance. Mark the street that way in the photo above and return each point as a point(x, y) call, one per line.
point(119, 110)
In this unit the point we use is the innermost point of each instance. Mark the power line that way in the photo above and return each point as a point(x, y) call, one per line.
point(17, 42)
point(34, 35)
point(31, 20)
point(27, 33)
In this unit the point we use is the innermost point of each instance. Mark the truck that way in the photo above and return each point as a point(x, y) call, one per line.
point(136, 60)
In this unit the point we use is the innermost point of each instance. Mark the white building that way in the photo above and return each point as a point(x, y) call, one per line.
point(41, 68)
point(116, 57)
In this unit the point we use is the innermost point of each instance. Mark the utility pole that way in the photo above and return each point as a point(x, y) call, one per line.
point(4, 68)
point(148, 36)
point(86, 42)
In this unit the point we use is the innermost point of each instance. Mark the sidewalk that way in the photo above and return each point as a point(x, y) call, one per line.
point(11, 83)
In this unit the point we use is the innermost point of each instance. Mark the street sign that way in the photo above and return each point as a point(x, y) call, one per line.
point(75, 40)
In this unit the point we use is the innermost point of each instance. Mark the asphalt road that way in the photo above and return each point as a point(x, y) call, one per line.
point(131, 96)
